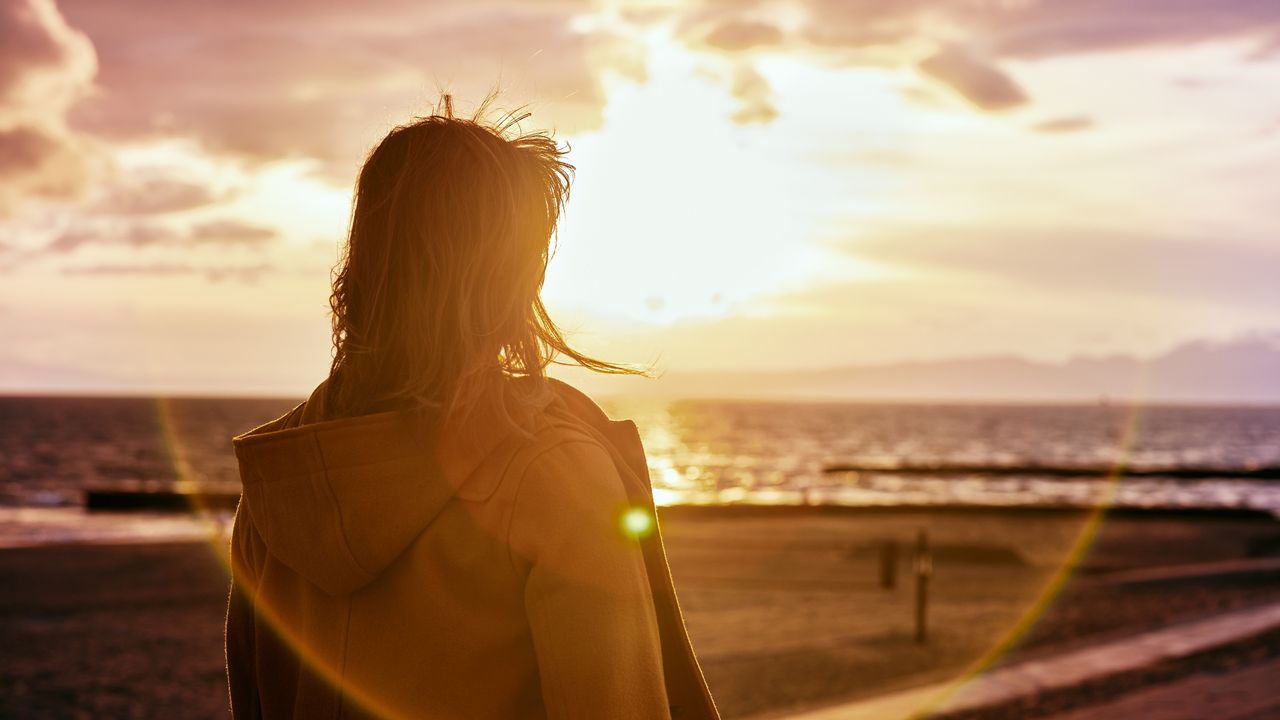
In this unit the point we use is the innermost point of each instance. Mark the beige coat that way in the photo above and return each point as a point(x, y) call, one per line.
point(386, 567)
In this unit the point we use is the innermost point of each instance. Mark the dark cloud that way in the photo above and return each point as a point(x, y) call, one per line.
point(1067, 124)
point(45, 67)
point(232, 232)
point(24, 149)
point(855, 32)
point(324, 80)
point(1064, 27)
point(35, 44)
point(1043, 28)
point(837, 38)
point(742, 35)
point(979, 82)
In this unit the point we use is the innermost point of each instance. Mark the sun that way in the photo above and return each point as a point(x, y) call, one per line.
point(677, 211)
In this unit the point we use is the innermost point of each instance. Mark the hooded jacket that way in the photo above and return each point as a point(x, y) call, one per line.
point(392, 566)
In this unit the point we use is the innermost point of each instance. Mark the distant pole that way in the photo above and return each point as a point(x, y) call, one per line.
point(924, 568)
point(888, 564)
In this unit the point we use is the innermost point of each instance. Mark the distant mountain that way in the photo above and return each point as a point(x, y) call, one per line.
point(1243, 371)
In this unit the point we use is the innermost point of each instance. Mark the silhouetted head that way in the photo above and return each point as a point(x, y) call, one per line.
point(438, 289)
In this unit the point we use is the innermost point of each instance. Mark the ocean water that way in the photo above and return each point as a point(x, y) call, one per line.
point(699, 451)
point(723, 451)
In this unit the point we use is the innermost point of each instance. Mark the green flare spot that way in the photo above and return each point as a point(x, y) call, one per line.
point(637, 522)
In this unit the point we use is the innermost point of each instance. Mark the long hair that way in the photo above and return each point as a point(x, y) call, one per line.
point(438, 288)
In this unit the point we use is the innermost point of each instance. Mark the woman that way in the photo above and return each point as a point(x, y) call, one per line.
point(441, 531)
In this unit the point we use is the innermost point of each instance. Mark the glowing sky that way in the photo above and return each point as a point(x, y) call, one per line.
point(761, 185)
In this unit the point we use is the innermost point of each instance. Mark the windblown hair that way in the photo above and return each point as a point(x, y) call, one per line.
point(438, 289)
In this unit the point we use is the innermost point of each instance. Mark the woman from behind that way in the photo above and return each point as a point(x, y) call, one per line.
point(440, 530)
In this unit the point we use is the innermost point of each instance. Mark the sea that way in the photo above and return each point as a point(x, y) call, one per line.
point(54, 449)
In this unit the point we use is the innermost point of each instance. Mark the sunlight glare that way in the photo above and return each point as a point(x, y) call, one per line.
point(677, 212)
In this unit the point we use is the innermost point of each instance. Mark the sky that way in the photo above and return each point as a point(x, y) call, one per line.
point(760, 186)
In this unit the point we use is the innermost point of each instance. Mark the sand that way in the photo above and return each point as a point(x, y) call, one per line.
point(785, 607)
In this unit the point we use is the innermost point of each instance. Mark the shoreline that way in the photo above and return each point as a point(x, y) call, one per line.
point(38, 526)
point(784, 608)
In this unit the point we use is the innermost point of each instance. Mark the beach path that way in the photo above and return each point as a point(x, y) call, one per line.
point(1247, 693)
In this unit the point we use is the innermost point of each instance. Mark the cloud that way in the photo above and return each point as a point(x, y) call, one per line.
point(864, 32)
point(45, 68)
point(324, 80)
point(1267, 49)
point(742, 35)
point(1042, 28)
point(232, 232)
point(1066, 124)
point(750, 87)
point(1065, 27)
point(224, 232)
point(157, 195)
point(979, 82)
point(42, 60)
point(134, 236)
point(212, 273)
point(129, 269)
point(39, 161)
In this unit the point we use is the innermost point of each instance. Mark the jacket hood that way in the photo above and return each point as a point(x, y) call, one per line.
point(338, 500)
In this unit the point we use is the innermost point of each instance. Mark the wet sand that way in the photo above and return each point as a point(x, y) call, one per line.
point(785, 607)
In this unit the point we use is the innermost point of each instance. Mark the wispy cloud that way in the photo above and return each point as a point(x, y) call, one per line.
point(213, 273)
point(225, 232)
point(1066, 124)
point(157, 196)
point(980, 82)
point(232, 232)
point(137, 235)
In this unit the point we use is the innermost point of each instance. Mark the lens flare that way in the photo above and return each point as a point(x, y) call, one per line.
point(185, 482)
point(636, 522)
point(639, 522)
point(1084, 539)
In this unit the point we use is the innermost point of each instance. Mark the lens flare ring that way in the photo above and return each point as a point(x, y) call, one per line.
point(636, 523)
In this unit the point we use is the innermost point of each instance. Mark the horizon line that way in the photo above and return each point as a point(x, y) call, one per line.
point(781, 398)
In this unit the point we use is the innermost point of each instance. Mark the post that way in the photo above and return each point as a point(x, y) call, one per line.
point(924, 568)
point(888, 564)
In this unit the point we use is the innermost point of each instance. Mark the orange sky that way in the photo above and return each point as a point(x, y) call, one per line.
point(761, 185)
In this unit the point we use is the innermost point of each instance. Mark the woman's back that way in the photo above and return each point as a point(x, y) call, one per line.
point(438, 531)
point(402, 571)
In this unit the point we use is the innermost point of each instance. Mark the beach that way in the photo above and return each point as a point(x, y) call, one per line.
point(785, 605)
